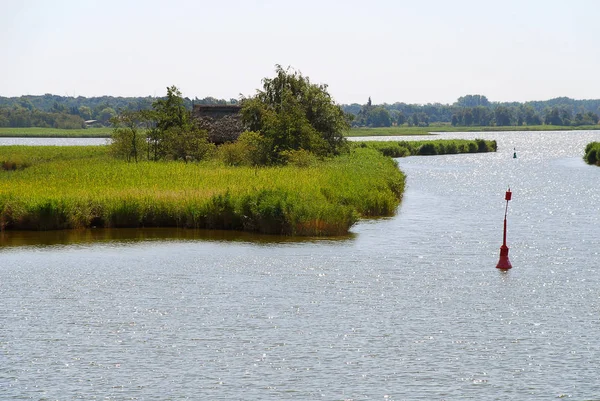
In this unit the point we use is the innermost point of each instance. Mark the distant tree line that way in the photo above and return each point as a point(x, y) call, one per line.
point(470, 110)
point(66, 112)
point(477, 110)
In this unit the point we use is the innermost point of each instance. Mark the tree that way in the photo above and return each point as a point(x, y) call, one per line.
point(503, 116)
point(85, 112)
point(173, 133)
point(454, 120)
point(482, 116)
point(292, 113)
point(379, 117)
point(530, 116)
point(472, 101)
point(106, 115)
point(127, 140)
point(398, 117)
point(169, 132)
point(585, 118)
point(170, 111)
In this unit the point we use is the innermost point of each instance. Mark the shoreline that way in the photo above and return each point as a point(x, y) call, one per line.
point(45, 188)
point(106, 132)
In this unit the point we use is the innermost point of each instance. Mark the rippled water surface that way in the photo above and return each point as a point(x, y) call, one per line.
point(406, 308)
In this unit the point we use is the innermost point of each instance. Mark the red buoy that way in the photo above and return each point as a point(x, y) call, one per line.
point(504, 262)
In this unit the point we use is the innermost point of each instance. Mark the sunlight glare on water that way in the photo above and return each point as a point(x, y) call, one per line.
point(407, 308)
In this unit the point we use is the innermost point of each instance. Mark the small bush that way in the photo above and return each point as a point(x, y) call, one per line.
point(592, 153)
point(298, 158)
point(232, 154)
point(428, 149)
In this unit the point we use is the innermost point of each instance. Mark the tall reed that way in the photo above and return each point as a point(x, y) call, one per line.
point(429, 147)
point(70, 187)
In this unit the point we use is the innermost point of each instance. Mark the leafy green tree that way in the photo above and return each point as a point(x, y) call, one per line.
point(106, 115)
point(530, 116)
point(398, 117)
point(379, 117)
point(472, 101)
point(502, 116)
point(557, 116)
point(59, 108)
point(186, 143)
point(128, 141)
point(482, 115)
point(85, 112)
point(468, 117)
point(25, 103)
point(169, 131)
point(455, 121)
point(292, 113)
point(585, 118)
point(170, 111)
point(420, 119)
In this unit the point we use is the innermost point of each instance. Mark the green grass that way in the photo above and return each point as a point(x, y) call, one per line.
point(79, 187)
point(37, 132)
point(406, 130)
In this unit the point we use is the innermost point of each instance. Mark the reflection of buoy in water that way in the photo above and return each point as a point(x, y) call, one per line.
point(515, 154)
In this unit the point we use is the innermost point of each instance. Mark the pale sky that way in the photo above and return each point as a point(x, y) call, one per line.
point(418, 51)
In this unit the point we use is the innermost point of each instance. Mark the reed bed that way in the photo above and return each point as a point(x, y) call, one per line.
point(80, 187)
point(428, 148)
point(445, 127)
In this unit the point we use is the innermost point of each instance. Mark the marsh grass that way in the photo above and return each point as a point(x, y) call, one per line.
point(428, 148)
point(80, 187)
point(434, 128)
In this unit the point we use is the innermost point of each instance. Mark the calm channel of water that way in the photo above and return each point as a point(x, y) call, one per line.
point(406, 308)
point(53, 141)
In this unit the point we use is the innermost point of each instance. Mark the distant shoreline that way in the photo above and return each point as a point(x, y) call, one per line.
point(433, 129)
point(105, 132)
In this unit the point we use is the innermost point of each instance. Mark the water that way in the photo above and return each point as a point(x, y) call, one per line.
point(53, 141)
point(406, 308)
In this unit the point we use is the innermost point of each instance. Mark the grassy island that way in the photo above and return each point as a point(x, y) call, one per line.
point(47, 188)
point(73, 187)
point(291, 172)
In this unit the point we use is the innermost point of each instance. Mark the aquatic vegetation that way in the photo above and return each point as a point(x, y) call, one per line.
point(82, 187)
point(428, 148)
point(592, 153)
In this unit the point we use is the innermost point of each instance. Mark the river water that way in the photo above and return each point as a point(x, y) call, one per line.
point(406, 308)
point(53, 141)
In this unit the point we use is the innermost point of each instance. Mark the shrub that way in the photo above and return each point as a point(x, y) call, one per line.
point(592, 153)
point(298, 158)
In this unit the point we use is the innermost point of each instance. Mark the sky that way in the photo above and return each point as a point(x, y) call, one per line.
point(417, 51)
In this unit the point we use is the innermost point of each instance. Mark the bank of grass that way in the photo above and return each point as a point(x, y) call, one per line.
point(80, 187)
point(428, 148)
point(37, 132)
point(432, 129)
point(592, 153)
